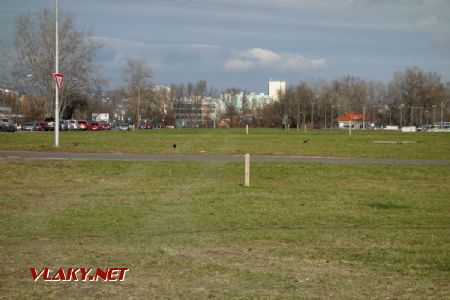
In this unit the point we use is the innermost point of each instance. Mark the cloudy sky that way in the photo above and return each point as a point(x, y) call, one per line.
point(244, 43)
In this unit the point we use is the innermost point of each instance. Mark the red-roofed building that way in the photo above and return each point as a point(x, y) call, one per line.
point(353, 119)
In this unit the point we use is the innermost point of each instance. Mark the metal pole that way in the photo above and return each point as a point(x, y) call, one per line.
point(331, 119)
point(17, 107)
point(434, 114)
point(390, 115)
point(401, 115)
point(421, 116)
point(56, 85)
point(364, 117)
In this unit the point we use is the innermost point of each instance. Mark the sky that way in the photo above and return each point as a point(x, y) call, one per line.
point(245, 43)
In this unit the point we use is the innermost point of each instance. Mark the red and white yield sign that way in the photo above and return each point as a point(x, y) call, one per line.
point(59, 79)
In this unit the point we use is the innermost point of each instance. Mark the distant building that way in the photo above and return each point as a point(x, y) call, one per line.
point(187, 114)
point(353, 119)
point(259, 100)
point(8, 102)
point(275, 86)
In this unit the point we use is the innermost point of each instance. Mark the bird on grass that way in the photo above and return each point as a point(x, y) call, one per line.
point(174, 146)
point(306, 140)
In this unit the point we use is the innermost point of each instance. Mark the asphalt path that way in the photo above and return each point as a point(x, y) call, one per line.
point(210, 158)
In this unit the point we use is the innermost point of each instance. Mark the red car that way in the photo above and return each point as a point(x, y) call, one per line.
point(95, 126)
point(83, 125)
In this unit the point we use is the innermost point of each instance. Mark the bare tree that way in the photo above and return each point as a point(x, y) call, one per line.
point(34, 55)
point(413, 92)
point(137, 77)
point(231, 106)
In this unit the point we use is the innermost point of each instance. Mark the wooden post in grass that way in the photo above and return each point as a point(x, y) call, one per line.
point(350, 127)
point(247, 170)
point(246, 129)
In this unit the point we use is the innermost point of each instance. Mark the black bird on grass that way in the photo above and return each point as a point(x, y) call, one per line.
point(174, 146)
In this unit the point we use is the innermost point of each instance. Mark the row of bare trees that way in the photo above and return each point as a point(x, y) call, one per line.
point(412, 97)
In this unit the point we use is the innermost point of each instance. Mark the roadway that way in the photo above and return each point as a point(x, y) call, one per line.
point(210, 158)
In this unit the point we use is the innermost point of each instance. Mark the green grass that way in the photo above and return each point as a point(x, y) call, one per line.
point(234, 141)
point(191, 230)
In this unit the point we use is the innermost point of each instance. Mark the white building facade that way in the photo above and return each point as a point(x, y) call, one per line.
point(275, 86)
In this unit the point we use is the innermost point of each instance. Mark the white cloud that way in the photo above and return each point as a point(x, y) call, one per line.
point(433, 3)
point(258, 58)
point(427, 22)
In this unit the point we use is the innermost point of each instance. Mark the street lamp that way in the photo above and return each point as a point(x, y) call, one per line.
point(364, 116)
point(434, 114)
point(331, 118)
point(390, 115)
point(401, 115)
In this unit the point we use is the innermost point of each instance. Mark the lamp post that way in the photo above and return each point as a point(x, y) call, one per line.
point(390, 115)
point(331, 118)
point(434, 114)
point(364, 116)
point(401, 115)
point(17, 107)
point(421, 116)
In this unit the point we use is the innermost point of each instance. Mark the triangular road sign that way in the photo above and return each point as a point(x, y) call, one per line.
point(58, 78)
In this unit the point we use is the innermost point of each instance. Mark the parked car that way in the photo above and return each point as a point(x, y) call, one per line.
point(146, 125)
point(157, 124)
point(83, 124)
point(95, 126)
point(49, 124)
point(72, 125)
point(31, 126)
point(7, 125)
point(63, 125)
point(106, 125)
point(124, 127)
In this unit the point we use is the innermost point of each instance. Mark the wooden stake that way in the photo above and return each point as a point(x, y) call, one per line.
point(247, 170)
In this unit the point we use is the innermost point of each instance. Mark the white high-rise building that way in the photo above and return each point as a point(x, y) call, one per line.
point(274, 87)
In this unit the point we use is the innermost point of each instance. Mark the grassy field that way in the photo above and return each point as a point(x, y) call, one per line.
point(374, 144)
point(191, 230)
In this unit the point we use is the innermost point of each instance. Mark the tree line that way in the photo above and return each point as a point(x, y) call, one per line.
point(412, 97)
